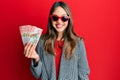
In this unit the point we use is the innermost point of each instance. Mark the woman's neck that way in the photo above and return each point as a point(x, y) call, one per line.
point(60, 35)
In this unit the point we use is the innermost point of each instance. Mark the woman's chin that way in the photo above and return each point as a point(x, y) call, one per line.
point(60, 31)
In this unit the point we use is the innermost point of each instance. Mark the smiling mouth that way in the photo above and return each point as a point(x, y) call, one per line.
point(59, 25)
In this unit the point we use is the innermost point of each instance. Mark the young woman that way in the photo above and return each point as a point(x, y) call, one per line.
point(60, 54)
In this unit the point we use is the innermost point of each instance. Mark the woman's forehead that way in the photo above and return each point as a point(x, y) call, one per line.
point(59, 11)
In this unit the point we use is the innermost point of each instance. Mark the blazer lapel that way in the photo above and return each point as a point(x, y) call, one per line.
point(62, 63)
point(49, 64)
point(66, 67)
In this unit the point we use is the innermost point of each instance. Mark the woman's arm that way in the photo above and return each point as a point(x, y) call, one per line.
point(36, 66)
point(36, 69)
point(83, 68)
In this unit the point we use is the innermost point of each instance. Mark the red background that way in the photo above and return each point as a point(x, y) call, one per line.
point(98, 21)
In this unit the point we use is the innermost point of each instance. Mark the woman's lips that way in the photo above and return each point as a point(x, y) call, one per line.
point(59, 25)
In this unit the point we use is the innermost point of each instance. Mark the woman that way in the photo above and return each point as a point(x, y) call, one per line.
point(60, 53)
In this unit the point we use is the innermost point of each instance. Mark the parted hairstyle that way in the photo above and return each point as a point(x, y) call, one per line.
point(69, 35)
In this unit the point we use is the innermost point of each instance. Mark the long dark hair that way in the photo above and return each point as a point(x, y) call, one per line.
point(69, 35)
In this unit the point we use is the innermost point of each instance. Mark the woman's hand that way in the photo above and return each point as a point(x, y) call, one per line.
point(29, 51)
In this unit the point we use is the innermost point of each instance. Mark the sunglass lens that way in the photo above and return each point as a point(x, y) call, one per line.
point(65, 18)
point(55, 18)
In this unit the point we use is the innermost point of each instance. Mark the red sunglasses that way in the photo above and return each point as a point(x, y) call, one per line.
point(56, 18)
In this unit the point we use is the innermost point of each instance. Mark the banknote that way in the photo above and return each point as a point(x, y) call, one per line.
point(30, 33)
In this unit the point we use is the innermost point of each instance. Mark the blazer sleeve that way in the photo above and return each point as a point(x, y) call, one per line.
point(83, 68)
point(37, 70)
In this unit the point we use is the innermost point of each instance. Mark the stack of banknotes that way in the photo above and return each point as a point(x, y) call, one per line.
point(30, 33)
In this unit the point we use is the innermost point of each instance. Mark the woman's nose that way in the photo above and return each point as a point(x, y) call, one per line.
point(59, 20)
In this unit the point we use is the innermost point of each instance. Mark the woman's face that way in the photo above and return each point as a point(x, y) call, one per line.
point(60, 25)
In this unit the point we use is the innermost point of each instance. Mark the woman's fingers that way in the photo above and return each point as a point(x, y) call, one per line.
point(29, 50)
point(26, 46)
point(32, 51)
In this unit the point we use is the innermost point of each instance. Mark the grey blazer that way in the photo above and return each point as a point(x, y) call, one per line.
point(74, 69)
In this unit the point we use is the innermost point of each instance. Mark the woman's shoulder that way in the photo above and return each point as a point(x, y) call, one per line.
point(80, 42)
point(40, 42)
point(79, 39)
point(42, 38)
point(80, 46)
